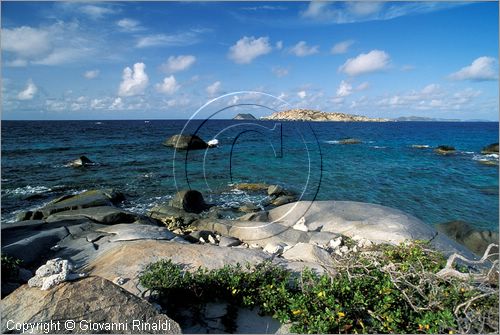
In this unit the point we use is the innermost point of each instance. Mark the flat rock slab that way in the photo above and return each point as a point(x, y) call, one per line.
point(101, 214)
point(129, 259)
point(91, 299)
point(132, 232)
point(308, 253)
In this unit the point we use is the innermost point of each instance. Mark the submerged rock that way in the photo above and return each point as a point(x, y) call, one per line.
point(444, 149)
point(350, 141)
point(88, 301)
point(251, 186)
point(490, 149)
point(185, 142)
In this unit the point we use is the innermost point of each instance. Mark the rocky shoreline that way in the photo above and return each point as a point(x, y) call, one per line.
point(314, 115)
point(84, 251)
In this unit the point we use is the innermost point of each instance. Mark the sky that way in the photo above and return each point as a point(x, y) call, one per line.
point(165, 60)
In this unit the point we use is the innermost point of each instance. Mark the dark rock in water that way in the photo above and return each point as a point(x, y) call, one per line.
point(258, 217)
point(275, 190)
point(444, 149)
point(350, 141)
point(282, 200)
point(474, 239)
point(244, 116)
point(90, 299)
point(172, 217)
point(80, 162)
point(249, 208)
point(490, 149)
point(185, 142)
point(189, 200)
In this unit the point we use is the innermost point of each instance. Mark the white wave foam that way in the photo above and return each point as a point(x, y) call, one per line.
point(28, 190)
point(332, 142)
point(485, 158)
point(378, 147)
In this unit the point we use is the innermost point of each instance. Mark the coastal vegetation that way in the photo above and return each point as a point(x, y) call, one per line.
point(385, 289)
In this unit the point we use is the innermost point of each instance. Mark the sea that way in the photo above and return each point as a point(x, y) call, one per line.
point(307, 158)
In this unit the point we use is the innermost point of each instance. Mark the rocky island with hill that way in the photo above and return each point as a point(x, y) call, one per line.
point(314, 115)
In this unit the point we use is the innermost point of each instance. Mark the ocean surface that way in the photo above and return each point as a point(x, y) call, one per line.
point(304, 157)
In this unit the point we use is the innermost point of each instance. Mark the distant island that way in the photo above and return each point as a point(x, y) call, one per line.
point(244, 116)
point(424, 119)
point(314, 115)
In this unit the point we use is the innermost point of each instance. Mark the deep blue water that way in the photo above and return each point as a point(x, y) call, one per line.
point(384, 169)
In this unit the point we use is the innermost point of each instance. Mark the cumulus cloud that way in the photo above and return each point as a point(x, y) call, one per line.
point(134, 82)
point(29, 92)
point(301, 49)
point(168, 86)
point(375, 60)
point(280, 71)
point(481, 69)
point(117, 104)
point(214, 88)
point(363, 86)
point(302, 94)
point(341, 47)
point(178, 63)
point(91, 74)
point(129, 25)
point(248, 48)
point(344, 90)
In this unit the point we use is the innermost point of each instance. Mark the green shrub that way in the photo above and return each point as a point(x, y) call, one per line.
point(391, 289)
point(10, 267)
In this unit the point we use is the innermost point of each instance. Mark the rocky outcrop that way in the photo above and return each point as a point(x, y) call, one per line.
point(444, 150)
point(314, 115)
point(185, 142)
point(490, 149)
point(172, 217)
point(350, 141)
point(54, 272)
point(476, 240)
point(244, 116)
point(81, 162)
point(85, 304)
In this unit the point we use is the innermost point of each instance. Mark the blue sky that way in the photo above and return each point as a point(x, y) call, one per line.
point(138, 60)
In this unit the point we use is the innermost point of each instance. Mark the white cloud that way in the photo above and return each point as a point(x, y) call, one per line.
point(96, 12)
point(168, 86)
point(344, 90)
point(117, 104)
point(25, 41)
point(182, 39)
point(363, 86)
point(375, 60)
point(430, 89)
point(178, 63)
point(29, 92)
point(91, 74)
point(134, 82)
point(301, 49)
point(129, 25)
point(280, 71)
point(361, 11)
point(249, 48)
point(57, 44)
point(302, 94)
point(481, 69)
point(341, 47)
point(214, 88)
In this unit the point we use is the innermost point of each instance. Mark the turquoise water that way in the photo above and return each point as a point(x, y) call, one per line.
point(307, 158)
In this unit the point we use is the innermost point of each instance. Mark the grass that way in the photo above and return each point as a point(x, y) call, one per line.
point(389, 289)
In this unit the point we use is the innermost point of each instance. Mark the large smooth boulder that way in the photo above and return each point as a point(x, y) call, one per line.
point(92, 299)
point(476, 240)
point(185, 142)
point(490, 149)
point(100, 214)
point(190, 201)
point(305, 252)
